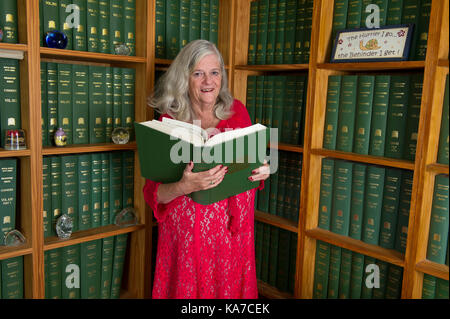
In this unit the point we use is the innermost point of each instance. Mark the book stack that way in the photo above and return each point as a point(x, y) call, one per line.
point(352, 14)
point(373, 114)
point(86, 101)
point(92, 189)
point(279, 31)
point(180, 22)
point(103, 24)
point(279, 102)
point(8, 21)
point(443, 147)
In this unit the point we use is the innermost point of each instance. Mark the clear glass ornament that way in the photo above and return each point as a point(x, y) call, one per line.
point(64, 226)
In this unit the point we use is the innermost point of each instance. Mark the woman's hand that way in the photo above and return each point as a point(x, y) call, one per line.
point(261, 173)
point(193, 182)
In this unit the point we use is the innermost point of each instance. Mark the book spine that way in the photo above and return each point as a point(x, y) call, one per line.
point(443, 148)
point(12, 278)
point(326, 193)
point(96, 190)
point(79, 32)
point(259, 99)
point(403, 211)
point(278, 105)
point(356, 276)
point(412, 125)
point(204, 19)
point(263, 20)
point(292, 262)
point(109, 96)
point(69, 188)
point(252, 33)
point(56, 191)
point(54, 274)
point(345, 274)
point(8, 21)
point(92, 17)
point(280, 30)
point(265, 252)
point(91, 254)
point(184, 22)
point(128, 178)
point(334, 272)
point(340, 215)
point(366, 292)
point(251, 97)
point(442, 291)
point(115, 185)
point(271, 31)
point(105, 188)
point(422, 30)
point(46, 193)
point(321, 270)
point(129, 25)
point(363, 114)
point(283, 260)
point(128, 78)
point(298, 125)
point(64, 22)
point(70, 255)
point(394, 12)
point(268, 100)
point(354, 14)
point(289, 103)
point(106, 267)
point(195, 20)
point(103, 27)
point(44, 107)
point(8, 183)
point(65, 114)
point(117, 97)
point(116, 21)
point(380, 290)
point(84, 191)
point(160, 29)
point(346, 114)
point(52, 100)
point(394, 282)
point(332, 112)
point(305, 49)
point(411, 15)
point(120, 248)
point(357, 200)
point(214, 21)
point(97, 90)
point(41, 33)
point(429, 287)
point(339, 17)
point(50, 15)
point(273, 256)
point(299, 31)
point(439, 221)
point(289, 35)
point(379, 115)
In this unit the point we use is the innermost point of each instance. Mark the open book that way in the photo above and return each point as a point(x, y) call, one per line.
point(166, 147)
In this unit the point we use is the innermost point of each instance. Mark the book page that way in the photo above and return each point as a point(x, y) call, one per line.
point(197, 129)
point(230, 135)
point(185, 134)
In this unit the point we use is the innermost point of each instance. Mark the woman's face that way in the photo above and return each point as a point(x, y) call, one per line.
point(205, 81)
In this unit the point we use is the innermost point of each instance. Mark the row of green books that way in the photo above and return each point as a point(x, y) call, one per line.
point(180, 22)
point(341, 273)
point(102, 25)
point(434, 288)
point(443, 148)
point(365, 202)
point(279, 31)
point(10, 117)
point(279, 102)
point(11, 278)
point(275, 255)
point(86, 101)
point(8, 21)
point(352, 14)
point(373, 114)
point(281, 193)
point(91, 188)
point(8, 196)
point(90, 270)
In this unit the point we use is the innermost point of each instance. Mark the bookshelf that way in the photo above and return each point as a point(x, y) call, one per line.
point(136, 278)
point(424, 167)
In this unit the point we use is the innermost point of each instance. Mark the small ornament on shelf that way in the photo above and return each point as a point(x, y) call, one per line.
point(127, 217)
point(14, 238)
point(60, 137)
point(64, 226)
point(122, 49)
point(120, 135)
point(1, 34)
point(56, 39)
point(15, 140)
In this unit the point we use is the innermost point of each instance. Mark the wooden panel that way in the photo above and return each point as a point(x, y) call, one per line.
point(273, 67)
point(268, 291)
point(277, 221)
point(18, 153)
point(373, 66)
point(242, 29)
point(88, 56)
point(10, 252)
point(437, 168)
point(88, 148)
point(13, 46)
point(433, 269)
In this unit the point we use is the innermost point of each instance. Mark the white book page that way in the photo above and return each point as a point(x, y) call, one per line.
point(230, 135)
point(187, 135)
point(197, 129)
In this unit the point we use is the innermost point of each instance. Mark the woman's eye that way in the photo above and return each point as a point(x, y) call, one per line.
point(198, 74)
point(215, 73)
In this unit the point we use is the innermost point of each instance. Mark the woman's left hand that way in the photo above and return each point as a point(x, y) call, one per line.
point(261, 173)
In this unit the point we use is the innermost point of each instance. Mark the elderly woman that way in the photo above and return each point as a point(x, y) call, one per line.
point(204, 251)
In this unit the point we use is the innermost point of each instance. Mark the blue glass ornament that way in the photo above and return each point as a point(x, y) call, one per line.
point(56, 39)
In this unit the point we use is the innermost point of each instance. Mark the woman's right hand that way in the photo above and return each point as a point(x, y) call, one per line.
point(192, 182)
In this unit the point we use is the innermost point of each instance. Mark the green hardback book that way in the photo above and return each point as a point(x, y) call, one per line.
point(356, 276)
point(56, 191)
point(252, 34)
point(354, 11)
point(115, 185)
point(69, 188)
point(366, 291)
point(339, 17)
point(298, 125)
point(109, 103)
point(251, 97)
point(160, 29)
point(41, 33)
point(70, 257)
point(262, 30)
point(120, 248)
point(439, 221)
point(403, 211)
point(334, 272)
point(64, 22)
point(65, 112)
point(259, 99)
point(97, 105)
point(373, 204)
point(326, 193)
point(345, 275)
point(46, 195)
point(282, 277)
point(54, 274)
point(96, 190)
point(50, 15)
point(8, 196)
point(79, 32)
point(128, 83)
point(357, 201)
point(269, 82)
point(394, 282)
point(346, 114)
point(91, 262)
point(292, 262)
point(306, 42)
point(10, 117)
point(194, 17)
point(103, 27)
point(280, 30)
point(442, 291)
point(12, 278)
point(363, 114)
point(332, 112)
point(397, 116)
point(259, 228)
point(422, 30)
point(172, 28)
point(184, 22)
point(127, 179)
point(380, 291)
point(265, 253)
point(289, 32)
point(105, 188)
point(214, 21)
point(412, 124)
point(117, 97)
point(394, 12)
point(92, 23)
point(204, 19)
point(342, 190)
point(429, 287)
point(129, 25)
point(274, 186)
point(52, 100)
point(264, 197)
point(240, 150)
point(273, 256)
point(411, 15)
point(84, 191)
point(44, 108)
point(442, 156)
point(321, 270)
point(288, 99)
point(107, 267)
point(271, 30)
point(116, 23)
point(300, 32)
point(379, 115)
point(8, 21)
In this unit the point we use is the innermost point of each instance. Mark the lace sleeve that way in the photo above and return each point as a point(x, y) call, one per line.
point(150, 195)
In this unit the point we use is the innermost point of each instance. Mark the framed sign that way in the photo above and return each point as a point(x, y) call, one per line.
point(389, 43)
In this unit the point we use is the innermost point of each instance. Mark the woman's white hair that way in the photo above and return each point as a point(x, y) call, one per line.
point(171, 93)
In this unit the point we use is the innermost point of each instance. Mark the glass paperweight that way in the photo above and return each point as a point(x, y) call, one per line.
point(60, 137)
point(122, 49)
point(14, 238)
point(15, 140)
point(64, 226)
point(127, 217)
point(1, 34)
point(120, 135)
point(56, 39)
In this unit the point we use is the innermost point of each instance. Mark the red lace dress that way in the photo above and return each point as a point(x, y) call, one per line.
point(206, 251)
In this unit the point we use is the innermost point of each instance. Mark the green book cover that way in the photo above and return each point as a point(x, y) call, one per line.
point(334, 272)
point(356, 276)
point(363, 114)
point(394, 12)
point(373, 204)
point(172, 28)
point(79, 32)
point(259, 99)
point(265, 252)
point(44, 107)
point(298, 127)
point(289, 32)
point(397, 116)
point(127, 179)
point(184, 23)
point(259, 229)
point(288, 98)
point(194, 20)
point(422, 29)
point(411, 15)
point(346, 114)
point(357, 200)
point(321, 270)
point(84, 191)
point(65, 112)
point(10, 117)
point(70, 285)
point(326, 193)
point(366, 291)
point(8, 20)
point(339, 17)
point(394, 282)
point(380, 291)
point(69, 188)
point(129, 25)
point(251, 97)
point(97, 91)
point(342, 189)
point(56, 191)
point(12, 284)
point(273, 256)
point(204, 19)
point(103, 26)
point(442, 289)
point(106, 267)
point(252, 33)
point(214, 21)
point(278, 187)
point(96, 190)
point(128, 83)
point(120, 248)
point(280, 30)
point(389, 213)
point(105, 188)
point(332, 112)
point(64, 22)
point(160, 29)
point(115, 185)
point(41, 35)
point(269, 82)
point(354, 11)
point(52, 100)
point(92, 22)
point(264, 197)
point(401, 233)
point(300, 32)
point(382, 9)
point(283, 260)
point(116, 23)
point(46, 195)
point(292, 262)
point(439, 221)
point(54, 274)
point(117, 97)
point(305, 49)
point(412, 123)
point(8, 196)
point(429, 287)
point(379, 115)
point(109, 103)
point(345, 274)
point(50, 10)
point(442, 156)
point(271, 29)
point(296, 191)
point(91, 262)
point(263, 21)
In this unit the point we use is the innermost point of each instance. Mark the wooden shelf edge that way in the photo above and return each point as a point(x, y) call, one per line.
point(443, 63)
point(369, 159)
point(88, 148)
point(268, 291)
point(18, 153)
point(433, 269)
point(88, 235)
point(14, 46)
point(373, 66)
point(388, 255)
point(288, 147)
point(277, 221)
point(438, 168)
point(273, 67)
point(10, 252)
point(89, 56)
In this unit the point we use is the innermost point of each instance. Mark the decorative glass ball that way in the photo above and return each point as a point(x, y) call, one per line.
point(56, 39)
